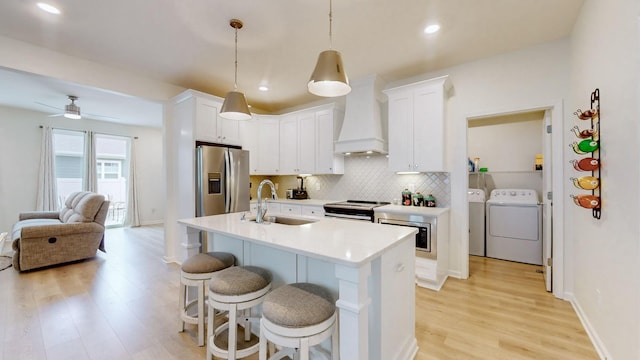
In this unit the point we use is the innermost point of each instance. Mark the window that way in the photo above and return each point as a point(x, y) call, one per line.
point(109, 169)
point(68, 147)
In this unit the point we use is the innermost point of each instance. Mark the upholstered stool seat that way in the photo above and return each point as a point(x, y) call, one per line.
point(235, 289)
point(296, 317)
point(196, 271)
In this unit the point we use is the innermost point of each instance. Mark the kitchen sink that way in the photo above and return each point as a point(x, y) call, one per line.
point(286, 220)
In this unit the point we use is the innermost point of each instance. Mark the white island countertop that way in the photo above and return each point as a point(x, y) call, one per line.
point(350, 243)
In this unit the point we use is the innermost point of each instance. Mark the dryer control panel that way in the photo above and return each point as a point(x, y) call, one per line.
point(514, 196)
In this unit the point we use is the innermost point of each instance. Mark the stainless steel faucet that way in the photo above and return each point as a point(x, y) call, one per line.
point(261, 211)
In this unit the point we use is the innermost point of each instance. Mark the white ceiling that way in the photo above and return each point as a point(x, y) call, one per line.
point(190, 43)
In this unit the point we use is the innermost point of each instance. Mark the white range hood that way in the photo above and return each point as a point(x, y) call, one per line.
point(362, 130)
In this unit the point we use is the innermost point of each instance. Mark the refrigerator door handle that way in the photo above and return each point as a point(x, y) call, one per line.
point(228, 179)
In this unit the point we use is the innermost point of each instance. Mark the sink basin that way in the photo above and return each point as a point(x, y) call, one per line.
point(286, 220)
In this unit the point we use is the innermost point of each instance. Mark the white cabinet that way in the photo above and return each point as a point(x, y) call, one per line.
point(417, 126)
point(328, 123)
point(306, 142)
point(313, 210)
point(210, 127)
point(291, 209)
point(298, 143)
point(397, 321)
point(248, 135)
point(268, 154)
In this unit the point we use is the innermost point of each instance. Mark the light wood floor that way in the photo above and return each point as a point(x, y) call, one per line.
point(123, 305)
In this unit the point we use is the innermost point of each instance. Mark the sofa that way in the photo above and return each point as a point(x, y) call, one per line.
point(44, 238)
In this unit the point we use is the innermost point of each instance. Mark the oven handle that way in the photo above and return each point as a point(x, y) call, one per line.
point(350, 217)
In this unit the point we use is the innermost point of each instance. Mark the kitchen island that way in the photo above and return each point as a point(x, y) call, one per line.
point(369, 268)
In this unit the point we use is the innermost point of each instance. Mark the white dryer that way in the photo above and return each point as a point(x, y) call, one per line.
point(514, 226)
point(477, 199)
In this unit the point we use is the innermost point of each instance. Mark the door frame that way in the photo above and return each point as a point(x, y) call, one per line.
point(556, 108)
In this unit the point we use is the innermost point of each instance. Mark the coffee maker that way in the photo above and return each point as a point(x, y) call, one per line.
point(300, 193)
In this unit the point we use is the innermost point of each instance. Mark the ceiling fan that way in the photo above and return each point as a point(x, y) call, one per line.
point(72, 111)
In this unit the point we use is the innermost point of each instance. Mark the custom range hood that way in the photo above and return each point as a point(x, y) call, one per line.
point(362, 130)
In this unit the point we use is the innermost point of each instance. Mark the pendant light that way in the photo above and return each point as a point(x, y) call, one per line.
point(328, 78)
point(235, 104)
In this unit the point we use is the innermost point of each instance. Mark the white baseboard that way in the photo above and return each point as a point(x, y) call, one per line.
point(591, 332)
point(455, 274)
point(152, 222)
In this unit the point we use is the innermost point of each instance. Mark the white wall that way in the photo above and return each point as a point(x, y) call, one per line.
point(521, 80)
point(20, 143)
point(508, 146)
point(606, 259)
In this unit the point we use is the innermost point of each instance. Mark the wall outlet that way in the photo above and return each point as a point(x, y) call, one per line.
point(276, 184)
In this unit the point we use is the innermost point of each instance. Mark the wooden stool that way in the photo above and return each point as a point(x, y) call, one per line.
point(196, 271)
point(234, 289)
point(296, 317)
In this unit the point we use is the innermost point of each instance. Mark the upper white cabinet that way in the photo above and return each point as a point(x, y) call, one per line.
point(307, 141)
point(248, 135)
point(298, 143)
point(328, 123)
point(211, 127)
point(417, 126)
point(268, 145)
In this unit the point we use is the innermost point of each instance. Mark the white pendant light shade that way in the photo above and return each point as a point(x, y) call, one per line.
point(235, 107)
point(235, 104)
point(329, 78)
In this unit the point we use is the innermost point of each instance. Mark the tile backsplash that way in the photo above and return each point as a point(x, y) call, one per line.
point(365, 178)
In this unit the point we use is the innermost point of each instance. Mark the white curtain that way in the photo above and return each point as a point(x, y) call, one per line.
point(92, 171)
point(133, 216)
point(47, 199)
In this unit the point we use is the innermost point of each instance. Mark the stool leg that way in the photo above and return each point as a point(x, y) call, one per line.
point(247, 325)
point(233, 331)
point(201, 313)
point(335, 348)
point(210, 322)
point(304, 349)
point(262, 354)
point(183, 290)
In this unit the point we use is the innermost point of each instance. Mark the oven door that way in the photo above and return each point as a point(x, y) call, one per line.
point(423, 237)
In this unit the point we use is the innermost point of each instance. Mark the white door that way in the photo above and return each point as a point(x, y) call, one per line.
point(547, 208)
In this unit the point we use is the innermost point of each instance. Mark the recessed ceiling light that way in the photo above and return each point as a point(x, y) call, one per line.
point(432, 29)
point(263, 88)
point(48, 8)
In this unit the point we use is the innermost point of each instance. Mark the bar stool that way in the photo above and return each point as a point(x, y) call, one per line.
point(296, 317)
point(196, 271)
point(234, 289)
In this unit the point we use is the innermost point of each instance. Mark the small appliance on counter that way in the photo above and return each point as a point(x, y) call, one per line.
point(300, 193)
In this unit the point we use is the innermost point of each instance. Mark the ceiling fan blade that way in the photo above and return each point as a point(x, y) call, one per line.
point(100, 116)
point(53, 107)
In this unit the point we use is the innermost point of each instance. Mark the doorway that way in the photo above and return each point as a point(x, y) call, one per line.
point(547, 182)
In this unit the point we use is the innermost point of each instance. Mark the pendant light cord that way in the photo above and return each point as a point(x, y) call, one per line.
point(235, 79)
point(330, 25)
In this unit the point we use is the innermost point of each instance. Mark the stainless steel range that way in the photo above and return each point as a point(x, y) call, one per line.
point(353, 209)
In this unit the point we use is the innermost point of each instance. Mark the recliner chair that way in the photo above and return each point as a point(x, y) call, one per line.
point(44, 238)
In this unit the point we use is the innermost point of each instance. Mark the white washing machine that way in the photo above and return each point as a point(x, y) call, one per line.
point(514, 226)
point(477, 200)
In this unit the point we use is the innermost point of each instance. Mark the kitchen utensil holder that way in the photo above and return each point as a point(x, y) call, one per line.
point(593, 115)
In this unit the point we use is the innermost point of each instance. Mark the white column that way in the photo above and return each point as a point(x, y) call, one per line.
point(353, 304)
point(190, 244)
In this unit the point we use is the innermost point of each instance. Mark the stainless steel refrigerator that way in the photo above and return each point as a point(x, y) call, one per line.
point(222, 180)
